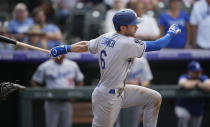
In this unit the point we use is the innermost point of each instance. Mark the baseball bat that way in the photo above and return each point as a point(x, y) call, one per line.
point(14, 42)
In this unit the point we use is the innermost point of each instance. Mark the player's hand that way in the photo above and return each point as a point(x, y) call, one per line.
point(60, 50)
point(174, 29)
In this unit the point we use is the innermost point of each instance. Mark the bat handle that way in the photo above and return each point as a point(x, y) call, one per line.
point(32, 47)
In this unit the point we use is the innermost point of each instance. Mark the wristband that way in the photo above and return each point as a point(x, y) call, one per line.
point(68, 48)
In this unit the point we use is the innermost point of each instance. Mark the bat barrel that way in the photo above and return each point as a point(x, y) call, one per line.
point(32, 47)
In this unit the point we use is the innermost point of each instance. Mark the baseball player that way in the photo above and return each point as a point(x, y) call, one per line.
point(190, 111)
point(58, 73)
point(116, 51)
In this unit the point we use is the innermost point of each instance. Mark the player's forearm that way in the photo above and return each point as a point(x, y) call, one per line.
point(187, 45)
point(159, 43)
point(164, 41)
point(81, 46)
point(79, 84)
point(34, 83)
point(188, 85)
point(205, 85)
point(193, 36)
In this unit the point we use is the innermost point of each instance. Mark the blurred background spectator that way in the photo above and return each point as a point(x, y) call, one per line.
point(108, 25)
point(20, 23)
point(200, 18)
point(148, 29)
point(190, 111)
point(110, 3)
point(52, 32)
point(5, 46)
point(35, 37)
point(62, 10)
point(176, 16)
point(59, 73)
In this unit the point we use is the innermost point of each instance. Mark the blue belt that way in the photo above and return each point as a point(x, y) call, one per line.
point(111, 91)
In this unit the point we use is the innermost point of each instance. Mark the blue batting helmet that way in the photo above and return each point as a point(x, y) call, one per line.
point(194, 66)
point(125, 17)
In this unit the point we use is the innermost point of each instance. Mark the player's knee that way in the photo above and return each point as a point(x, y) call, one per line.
point(157, 98)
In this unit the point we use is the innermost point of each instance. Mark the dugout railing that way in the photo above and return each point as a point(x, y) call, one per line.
point(30, 94)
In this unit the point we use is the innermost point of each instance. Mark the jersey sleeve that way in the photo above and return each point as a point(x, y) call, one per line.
point(78, 76)
point(203, 78)
point(181, 78)
point(134, 48)
point(39, 74)
point(93, 45)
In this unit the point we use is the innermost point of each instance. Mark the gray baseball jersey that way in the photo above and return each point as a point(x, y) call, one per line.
point(58, 76)
point(114, 63)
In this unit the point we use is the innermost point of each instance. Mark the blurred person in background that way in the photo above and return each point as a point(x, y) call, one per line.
point(35, 37)
point(150, 5)
point(176, 16)
point(62, 10)
point(5, 46)
point(110, 3)
point(58, 73)
point(117, 5)
point(52, 32)
point(200, 24)
point(190, 110)
point(148, 29)
point(140, 74)
point(21, 23)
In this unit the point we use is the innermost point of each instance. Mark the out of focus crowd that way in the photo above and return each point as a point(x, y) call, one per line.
point(53, 22)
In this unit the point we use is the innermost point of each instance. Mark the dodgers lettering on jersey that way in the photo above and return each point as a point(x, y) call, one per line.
point(114, 53)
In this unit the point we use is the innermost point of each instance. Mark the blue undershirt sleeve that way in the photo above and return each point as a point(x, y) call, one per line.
point(159, 43)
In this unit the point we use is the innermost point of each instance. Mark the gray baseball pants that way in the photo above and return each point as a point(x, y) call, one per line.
point(185, 119)
point(58, 114)
point(106, 106)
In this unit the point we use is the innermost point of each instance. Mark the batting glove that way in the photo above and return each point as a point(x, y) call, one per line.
point(173, 30)
point(59, 50)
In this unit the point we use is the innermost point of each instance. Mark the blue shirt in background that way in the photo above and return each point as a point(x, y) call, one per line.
point(17, 27)
point(166, 21)
point(194, 105)
point(48, 29)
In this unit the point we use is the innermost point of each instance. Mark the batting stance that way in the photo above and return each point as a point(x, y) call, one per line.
point(116, 51)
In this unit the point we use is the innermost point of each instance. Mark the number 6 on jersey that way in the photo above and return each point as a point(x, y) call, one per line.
point(102, 54)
